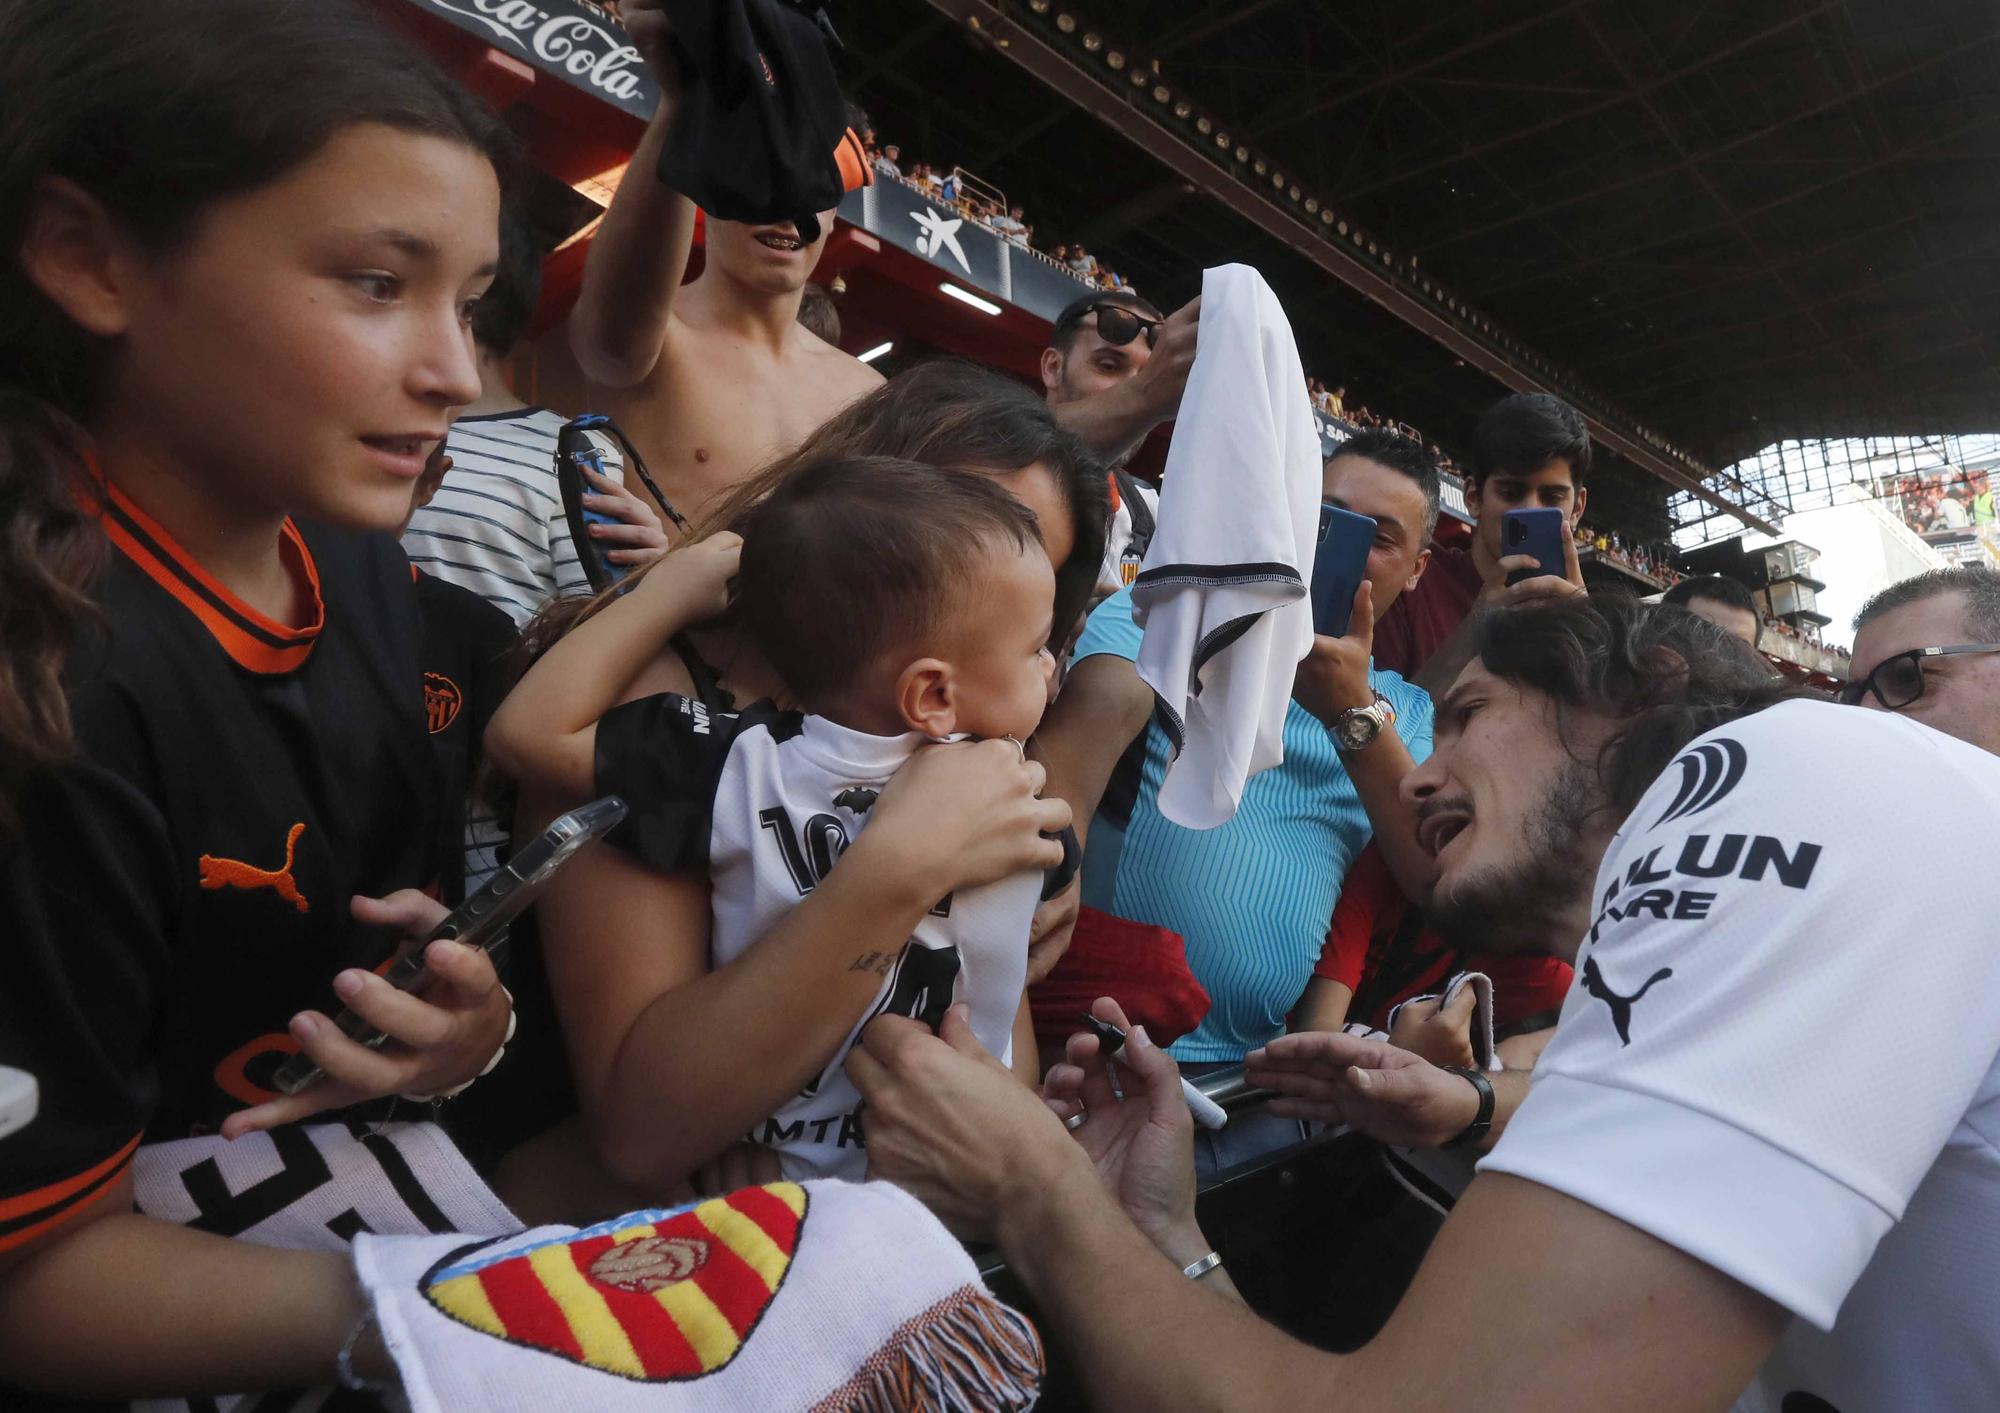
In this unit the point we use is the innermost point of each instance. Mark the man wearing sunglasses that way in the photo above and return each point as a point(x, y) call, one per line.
point(1114, 370)
point(1929, 649)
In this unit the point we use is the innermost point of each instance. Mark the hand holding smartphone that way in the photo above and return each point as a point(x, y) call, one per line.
point(1537, 533)
point(479, 922)
point(1340, 563)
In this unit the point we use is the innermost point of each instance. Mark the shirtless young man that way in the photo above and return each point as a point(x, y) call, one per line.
point(712, 380)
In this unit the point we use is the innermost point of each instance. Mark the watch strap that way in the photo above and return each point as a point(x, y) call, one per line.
point(1482, 1122)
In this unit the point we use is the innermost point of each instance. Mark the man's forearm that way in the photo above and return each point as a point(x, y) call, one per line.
point(1377, 772)
point(1145, 1336)
point(634, 270)
point(1114, 421)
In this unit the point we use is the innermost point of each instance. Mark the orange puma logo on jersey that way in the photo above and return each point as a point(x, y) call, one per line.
point(234, 873)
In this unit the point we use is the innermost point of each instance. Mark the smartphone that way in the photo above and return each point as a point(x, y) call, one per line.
point(479, 921)
point(1340, 563)
point(1538, 533)
point(578, 449)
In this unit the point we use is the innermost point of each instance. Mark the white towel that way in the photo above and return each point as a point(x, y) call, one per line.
point(1222, 595)
point(826, 1296)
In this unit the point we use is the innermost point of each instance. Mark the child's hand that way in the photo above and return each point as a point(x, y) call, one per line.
point(698, 576)
point(638, 538)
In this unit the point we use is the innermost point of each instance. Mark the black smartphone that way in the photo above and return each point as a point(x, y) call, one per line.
point(1340, 563)
point(1538, 533)
point(479, 921)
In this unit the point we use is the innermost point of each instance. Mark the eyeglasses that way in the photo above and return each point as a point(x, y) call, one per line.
point(1117, 325)
point(1899, 680)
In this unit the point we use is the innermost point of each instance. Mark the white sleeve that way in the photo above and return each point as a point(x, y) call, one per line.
point(1778, 1018)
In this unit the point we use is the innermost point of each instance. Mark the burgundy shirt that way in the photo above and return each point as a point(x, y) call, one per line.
point(1419, 621)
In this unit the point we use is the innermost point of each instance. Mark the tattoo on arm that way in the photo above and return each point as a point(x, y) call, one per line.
point(877, 962)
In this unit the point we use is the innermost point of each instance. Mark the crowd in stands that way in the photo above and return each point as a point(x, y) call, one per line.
point(1945, 502)
point(974, 202)
point(313, 621)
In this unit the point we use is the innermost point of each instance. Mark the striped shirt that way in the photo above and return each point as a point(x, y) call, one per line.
point(496, 525)
point(1253, 897)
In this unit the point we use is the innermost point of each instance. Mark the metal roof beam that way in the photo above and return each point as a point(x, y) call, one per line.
point(1028, 49)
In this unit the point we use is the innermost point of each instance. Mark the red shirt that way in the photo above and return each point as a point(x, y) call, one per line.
point(1419, 621)
point(1379, 949)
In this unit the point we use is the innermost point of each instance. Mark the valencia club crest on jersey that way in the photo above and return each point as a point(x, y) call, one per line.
point(656, 1296)
point(442, 701)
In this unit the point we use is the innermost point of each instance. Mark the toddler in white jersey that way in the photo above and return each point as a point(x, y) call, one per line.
point(901, 604)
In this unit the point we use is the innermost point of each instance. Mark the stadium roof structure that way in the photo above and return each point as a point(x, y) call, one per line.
point(1713, 225)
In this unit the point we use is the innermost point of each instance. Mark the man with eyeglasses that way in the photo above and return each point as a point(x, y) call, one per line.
point(1114, 370)
point(1929, 649)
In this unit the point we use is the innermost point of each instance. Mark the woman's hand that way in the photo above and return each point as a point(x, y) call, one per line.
point(952, 1126)
point(437, 1041)
point(1049, 935)
point(638, 538)
point(959, 815)
point(1142, 1145)
point(1386, 1093)
point(1442, 1036)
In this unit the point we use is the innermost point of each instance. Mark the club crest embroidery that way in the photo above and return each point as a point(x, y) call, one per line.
point(660, 1296)
point(442, 701)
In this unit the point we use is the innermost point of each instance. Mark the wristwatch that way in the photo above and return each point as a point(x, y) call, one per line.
point(1482, 1120)
point(1357, 727)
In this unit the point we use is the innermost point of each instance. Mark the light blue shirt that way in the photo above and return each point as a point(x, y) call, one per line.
point(1252, 897)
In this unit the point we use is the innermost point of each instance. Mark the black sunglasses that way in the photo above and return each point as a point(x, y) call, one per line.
point(1898, 680)
point(1118, 325)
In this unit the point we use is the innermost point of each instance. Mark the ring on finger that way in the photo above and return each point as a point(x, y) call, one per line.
point(1017, 745)
point(1076, 1120)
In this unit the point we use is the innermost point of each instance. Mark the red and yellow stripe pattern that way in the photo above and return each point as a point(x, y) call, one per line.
point(659, 1300)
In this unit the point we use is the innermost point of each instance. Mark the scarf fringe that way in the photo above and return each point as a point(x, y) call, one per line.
point(966, 1354)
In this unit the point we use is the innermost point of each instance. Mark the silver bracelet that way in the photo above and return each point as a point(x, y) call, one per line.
point(1194, 1271)
point(343, 1363)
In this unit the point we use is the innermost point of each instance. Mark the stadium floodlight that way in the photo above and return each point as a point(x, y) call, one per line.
point(1278, 181)
point(1242, 153)
point(874, 353)
point(1160, 94)
point(1326, 216)
point(1040, 7)
point(1343, 228)
point(1312, 205)
point(1262, 166)
point(1140, 78)
point(966, 296)
point(1203, 126)
point(1293, 192)
point(1182, 108)
point(1093, 42)
point(1066, 22)
point(1115, 58)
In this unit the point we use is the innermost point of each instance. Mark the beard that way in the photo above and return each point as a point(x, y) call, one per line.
point(1525, 904)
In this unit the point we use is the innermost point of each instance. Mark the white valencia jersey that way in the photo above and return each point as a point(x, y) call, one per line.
point(1779, 1053)
point(770, 800)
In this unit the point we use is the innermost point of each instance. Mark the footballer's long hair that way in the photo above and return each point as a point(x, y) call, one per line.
point(156, 112)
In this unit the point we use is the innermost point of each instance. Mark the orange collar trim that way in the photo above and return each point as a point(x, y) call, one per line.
point(254, 641)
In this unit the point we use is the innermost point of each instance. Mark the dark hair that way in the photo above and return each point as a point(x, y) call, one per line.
point(1980, 586)
point(157, 112)
point(1399, 453)
point(1523, 432)
point(1069, 323)
point(1663, 674)
point(855, 556)
point(501, 315)
point(962, 417)
point(1716, 588)
point(819, 313)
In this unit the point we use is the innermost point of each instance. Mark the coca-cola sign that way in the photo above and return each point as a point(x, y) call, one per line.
point(575, 40)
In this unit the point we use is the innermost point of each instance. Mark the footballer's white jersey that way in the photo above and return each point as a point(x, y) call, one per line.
point(1779, 1052)
point(770, 800)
